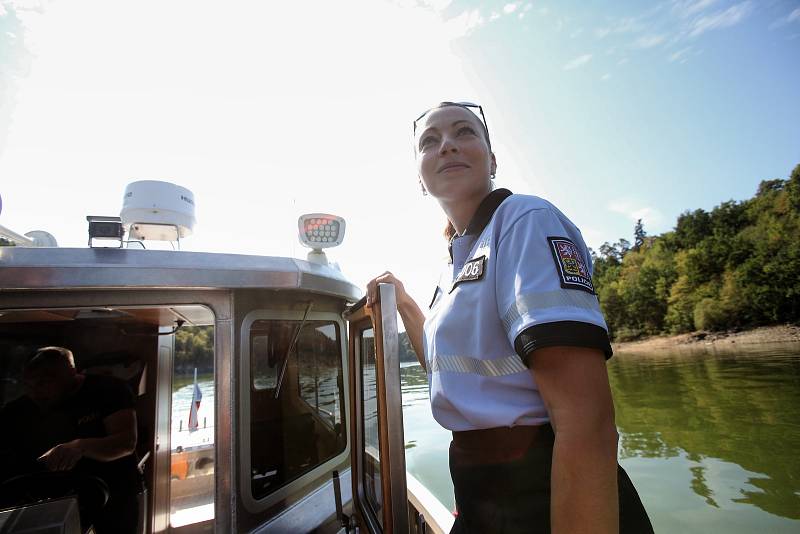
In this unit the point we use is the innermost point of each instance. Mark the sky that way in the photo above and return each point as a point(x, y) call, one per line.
point(613, 111)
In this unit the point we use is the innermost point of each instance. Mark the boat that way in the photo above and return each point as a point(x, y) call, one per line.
point(301, 427)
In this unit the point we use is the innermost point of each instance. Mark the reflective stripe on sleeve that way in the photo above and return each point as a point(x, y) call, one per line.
point(507, 365)
point(551, 299)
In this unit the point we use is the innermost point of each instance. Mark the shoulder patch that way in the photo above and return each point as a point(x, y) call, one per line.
point(571, 268)
point(472, 270)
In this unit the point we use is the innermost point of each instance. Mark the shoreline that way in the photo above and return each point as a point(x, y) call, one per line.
point(785, 333)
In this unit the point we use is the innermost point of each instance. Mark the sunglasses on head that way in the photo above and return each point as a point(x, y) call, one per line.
point(466, 105)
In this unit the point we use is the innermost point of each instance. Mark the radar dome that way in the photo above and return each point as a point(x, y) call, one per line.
point(157, 211)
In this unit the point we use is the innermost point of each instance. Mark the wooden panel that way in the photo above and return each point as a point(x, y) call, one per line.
point(36, 316)
point(162, 316)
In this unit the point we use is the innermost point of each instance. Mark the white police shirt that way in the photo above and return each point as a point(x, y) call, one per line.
point(519, 279)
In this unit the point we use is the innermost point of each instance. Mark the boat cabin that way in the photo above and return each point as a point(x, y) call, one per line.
point(267, 396)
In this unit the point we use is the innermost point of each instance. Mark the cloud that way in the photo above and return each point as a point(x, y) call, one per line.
point(578, 62)
point(622, 61)
point(688, 8)
point(623, 25)
point(436, 5)
point(722, 19)
point(649, 41)
point(634, 210)
point(794, 16)
point(601, 32)
point(464, 23)
point(680, 55)
point(605, 76)
point(510, 8)
point(628, 25)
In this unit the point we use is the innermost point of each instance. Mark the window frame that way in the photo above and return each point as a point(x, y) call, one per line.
point(251, 503)
point(377, 514)
point(381, 317)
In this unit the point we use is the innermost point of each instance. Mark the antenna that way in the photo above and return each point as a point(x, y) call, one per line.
point(41, 238)
point(36, 238)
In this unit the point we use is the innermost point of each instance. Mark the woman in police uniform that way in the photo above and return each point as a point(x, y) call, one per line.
point(515, 347)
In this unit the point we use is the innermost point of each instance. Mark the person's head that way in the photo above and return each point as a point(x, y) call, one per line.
point(49, 376)
point(453, 153)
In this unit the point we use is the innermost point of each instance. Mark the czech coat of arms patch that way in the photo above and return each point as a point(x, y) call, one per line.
point(570, 265)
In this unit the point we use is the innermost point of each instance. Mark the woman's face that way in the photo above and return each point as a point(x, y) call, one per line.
point(453, 157)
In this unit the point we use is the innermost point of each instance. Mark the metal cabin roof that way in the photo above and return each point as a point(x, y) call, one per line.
point(72, 268)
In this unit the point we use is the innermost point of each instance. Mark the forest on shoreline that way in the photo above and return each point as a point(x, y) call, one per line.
point(734, 267)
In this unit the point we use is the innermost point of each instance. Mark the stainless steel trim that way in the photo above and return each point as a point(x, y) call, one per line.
point(394, 407)
point(163, 448)
point(225, 519)
point(70, 268)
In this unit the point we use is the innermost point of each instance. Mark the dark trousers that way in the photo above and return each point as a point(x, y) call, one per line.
point(502, 483)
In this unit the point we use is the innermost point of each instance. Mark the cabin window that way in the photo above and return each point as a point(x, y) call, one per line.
point(371, 468)
point(192, 427)
point(296, 400)
point(146, 349)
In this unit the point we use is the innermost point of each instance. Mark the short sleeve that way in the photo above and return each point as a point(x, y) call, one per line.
point(544, 288)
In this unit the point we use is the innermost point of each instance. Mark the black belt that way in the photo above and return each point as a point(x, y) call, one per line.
point(500, 444)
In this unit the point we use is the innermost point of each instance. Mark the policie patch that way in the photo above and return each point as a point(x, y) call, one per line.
point(570, 265)
point(472, 270)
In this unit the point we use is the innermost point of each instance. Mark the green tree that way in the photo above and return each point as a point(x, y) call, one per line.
point(692, 227)
point(638, 235)
point(194, 347)
point(736, 265)
point(793, 188)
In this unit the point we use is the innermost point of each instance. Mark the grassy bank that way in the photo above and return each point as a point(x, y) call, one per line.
point(701, 339)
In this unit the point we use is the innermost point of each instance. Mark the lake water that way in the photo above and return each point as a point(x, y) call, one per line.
point(711, 439)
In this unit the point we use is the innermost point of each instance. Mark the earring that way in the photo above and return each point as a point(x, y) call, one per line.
point(424, 191)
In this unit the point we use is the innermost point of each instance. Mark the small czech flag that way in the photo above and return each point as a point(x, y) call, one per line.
point(197, 396)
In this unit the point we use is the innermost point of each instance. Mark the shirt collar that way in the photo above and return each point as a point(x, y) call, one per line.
point(485, 210)
point(482, 216)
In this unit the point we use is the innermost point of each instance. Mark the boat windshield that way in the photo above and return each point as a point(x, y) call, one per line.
point(302, 428)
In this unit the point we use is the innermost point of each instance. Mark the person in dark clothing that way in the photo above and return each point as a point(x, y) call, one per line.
point(71, 422)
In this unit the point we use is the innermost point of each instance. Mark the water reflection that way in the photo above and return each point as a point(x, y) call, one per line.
point(709, 438)
point(738, 407)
